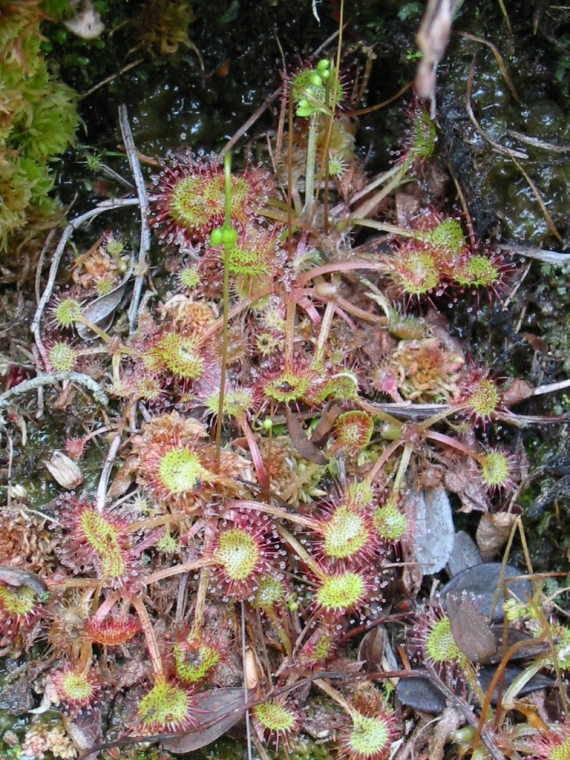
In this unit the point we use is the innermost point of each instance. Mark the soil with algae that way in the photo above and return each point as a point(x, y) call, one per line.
point(284, 460)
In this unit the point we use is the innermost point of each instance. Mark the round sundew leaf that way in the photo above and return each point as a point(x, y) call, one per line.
point(238, 553)
point(342, 591)
point(180, 471)
point(369, 736)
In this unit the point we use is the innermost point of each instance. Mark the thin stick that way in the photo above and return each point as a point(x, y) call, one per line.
point(467, 713)
point(481, 729)
point(541, 203)
point(551, 387)
point(10, 463)
point(369, 205)
point(106, 473)
point(463, 202)
point(245, 691)
point(144, 246)
point(378, 106)
point(498, 148)
point(150, 638)
point(41, 380)
point(110, 78)
point(249, 123)
point(538, 143)
point(45, 247)
point(56, 258)
point(499, 58)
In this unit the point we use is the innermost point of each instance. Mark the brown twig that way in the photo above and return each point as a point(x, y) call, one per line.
point(250, 122)
point(108, 79)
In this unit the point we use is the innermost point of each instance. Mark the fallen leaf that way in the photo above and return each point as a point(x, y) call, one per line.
point(302, 444)
point(102, 310)
point(16, 576)
point(515, 391)
point(462, 478)
point(216, 712)
point(432, 39)
point(371, 650)
point(493, 532)
point(482, 580)
point(451, 719)
point(538, 344)
point(470, 629)
point(434, 532)
point(324, 427)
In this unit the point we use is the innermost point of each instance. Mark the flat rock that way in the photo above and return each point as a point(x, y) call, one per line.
point(481, 581)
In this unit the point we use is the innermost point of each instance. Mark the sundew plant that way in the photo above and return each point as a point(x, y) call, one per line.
point(270, 377)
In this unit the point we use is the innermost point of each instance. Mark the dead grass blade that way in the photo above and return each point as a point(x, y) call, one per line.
point(499, 58)
point(541, 203)
point(496, 147)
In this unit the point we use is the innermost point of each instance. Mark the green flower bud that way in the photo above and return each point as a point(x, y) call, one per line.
point(229, 236)
point(216, 237)
point(315, 79)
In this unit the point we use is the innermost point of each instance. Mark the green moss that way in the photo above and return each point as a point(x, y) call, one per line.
point(38, 120)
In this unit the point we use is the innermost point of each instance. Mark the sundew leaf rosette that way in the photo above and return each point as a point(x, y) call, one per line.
point(190, 201)
point(177, 466)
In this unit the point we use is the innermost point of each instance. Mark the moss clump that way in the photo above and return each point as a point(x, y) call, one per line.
point(38, 119)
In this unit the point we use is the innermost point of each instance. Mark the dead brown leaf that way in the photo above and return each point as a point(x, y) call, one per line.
point(493, 532)
point(462, 479)
point(302, 444)
point(470, 629)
